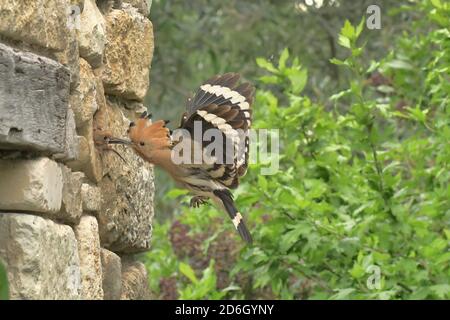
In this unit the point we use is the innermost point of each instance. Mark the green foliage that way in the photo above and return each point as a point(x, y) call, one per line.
point(195, 40)
point(163, 264)
point(205, 288)
point(4, 290)
point(160, 260)
point(363, 183)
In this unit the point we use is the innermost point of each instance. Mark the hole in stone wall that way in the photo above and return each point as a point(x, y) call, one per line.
point(13, 131)
point(19, 70)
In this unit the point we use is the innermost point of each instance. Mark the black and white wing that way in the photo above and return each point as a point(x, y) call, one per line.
point(222, 104)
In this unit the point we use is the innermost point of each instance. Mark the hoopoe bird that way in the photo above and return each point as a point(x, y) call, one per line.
point(219, 104)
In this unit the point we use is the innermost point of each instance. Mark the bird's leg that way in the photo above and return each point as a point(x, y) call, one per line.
point(196, 201)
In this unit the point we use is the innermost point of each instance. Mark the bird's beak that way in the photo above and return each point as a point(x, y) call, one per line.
point(118, 141)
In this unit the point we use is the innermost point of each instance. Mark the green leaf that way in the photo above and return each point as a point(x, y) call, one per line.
point(262, 182)
point(342, 294)
point(348, 30)
point(4, 289)
point(292, 236)
point(399, 64)
point(417, 114)
point(344, 41)
point(437, 4)
point(357, 271)
point(441, 290)
point(298, 80)
point(265, 64)
point(283, 58)
point(360, 27)
point(341, 94)
point(186, 270)
point(269, 79)
point(338, 62)
point(373, 66)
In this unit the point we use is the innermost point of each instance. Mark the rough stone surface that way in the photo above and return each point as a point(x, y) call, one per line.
point(92, 34)
point(70, 72)
point(92, 197)
point(86, 233)
point(112, 275)
point(34, 95)
point(41, 257)
point(105, 6)
point(71, 207)
point(142, 5)
point(71, 149)
point(40, 22)
point(83, 99)
point(128, 53)
point(127, 104)
point(134, 280)
point(83, 155)
point(78, 3)
point(94, 168)
point(127, 187)
point(69, 58)
point(30, 185)
point(90, 160)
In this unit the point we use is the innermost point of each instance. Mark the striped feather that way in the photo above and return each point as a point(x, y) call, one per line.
point(222, 104)
point(226, 198)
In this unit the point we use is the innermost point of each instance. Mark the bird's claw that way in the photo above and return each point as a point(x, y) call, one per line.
point(197, 201)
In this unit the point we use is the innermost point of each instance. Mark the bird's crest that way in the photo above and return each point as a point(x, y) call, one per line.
point(156, 134)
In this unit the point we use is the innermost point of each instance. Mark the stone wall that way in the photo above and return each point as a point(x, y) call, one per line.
point(73, 213)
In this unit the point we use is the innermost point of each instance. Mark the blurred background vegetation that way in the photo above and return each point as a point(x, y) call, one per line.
point(198, 39)
point(364, 167)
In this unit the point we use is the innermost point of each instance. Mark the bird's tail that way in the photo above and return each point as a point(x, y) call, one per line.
point(226, 198)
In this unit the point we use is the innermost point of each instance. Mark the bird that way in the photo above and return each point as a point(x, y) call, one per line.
point(219, 104)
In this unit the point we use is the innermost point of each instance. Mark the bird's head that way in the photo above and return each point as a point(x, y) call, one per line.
point(146, 138)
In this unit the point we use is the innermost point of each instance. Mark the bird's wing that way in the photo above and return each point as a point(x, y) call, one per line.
point(223, 105)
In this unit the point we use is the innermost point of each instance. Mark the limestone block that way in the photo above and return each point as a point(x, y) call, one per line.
point(83, 156)
point(44, 23)
point(105, 6)
point(128, 53)
point(83, 99)
point(72, 206)
point(127, 188)
point(92, 197)
point(34, 100)
point(134, 280)
point(69, 57)
point(112, 275)
point(71, 149)
point(92, 34)
point(142, 5)
point(90, 160)
point(78, 3)
point(41, 257)
point(86, 233)
point(127, 104)
point(31, 185)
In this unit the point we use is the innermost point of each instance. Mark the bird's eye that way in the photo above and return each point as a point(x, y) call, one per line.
point(132, 124)
point(105, 138)
point(141, 143)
